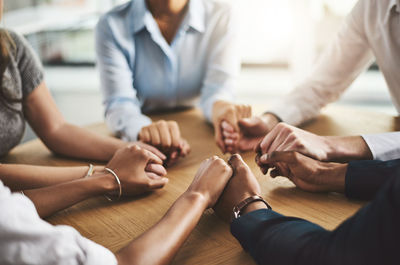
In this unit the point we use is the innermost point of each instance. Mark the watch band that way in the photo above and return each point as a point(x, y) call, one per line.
point(243, 204)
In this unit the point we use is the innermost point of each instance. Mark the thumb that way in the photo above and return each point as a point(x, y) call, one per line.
point(249, 125)
point(157, 183)
point(237, 163)
point(218, 138)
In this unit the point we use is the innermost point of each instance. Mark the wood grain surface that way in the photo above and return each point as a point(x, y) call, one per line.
point(113, 225)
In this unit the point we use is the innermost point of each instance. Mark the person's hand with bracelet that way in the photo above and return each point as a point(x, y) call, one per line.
point(138, 171)
point(131, 171)
point(243, 185)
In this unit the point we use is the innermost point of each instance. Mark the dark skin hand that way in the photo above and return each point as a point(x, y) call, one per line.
point(181, 218)
point(306, 173)
point(284, 137)
point(242, 185)
point(132, 165)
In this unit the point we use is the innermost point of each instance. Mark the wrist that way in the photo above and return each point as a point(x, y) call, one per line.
point(196, 198)
point(270, 120)
point(333, 176)
point(254, 206)
point(105, 182)
point(344, 149)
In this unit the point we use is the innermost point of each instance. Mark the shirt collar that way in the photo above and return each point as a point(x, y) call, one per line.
point(395, 3)
point(195, 18)
point(197, 15)
point(137, 15)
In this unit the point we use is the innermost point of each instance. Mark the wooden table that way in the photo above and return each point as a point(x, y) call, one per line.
point(113, 225)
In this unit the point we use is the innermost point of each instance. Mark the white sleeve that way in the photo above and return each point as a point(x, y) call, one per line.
point(344, 59)
point(223, 63)
point(27, 239)
point(123, 109)
point(384, 146)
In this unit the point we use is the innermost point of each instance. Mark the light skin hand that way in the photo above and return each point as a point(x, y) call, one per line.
point(242, 185)
point(231, 114)
point(284, 137)
point(306, 173)
point(252, 131)
point(166, 136)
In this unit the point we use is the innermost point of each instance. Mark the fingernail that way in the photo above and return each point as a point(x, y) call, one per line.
point(264, 158)
point(228, 141)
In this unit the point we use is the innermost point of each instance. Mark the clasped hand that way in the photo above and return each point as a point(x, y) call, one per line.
point(166, 136)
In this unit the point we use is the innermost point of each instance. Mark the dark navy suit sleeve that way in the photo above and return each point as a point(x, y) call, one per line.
point(365, 178)
point(371, 236)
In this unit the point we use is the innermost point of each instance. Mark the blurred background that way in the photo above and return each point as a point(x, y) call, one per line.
point(280, 41)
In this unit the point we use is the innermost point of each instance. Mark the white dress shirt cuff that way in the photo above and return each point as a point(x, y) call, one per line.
point(134, 125)
point(286, 112)
point(384, 146)
point(97, 254)
point(126, 120)
point(208, 104)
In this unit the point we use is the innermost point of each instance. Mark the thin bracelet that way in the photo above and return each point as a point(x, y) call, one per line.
point(119, 184)
point(90, 171)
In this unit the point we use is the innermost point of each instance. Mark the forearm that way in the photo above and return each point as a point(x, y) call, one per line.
point(21, 177)
point(49, 200)
point(73, 141)
point(347, 148)
point(276, 239)
point(160, 243)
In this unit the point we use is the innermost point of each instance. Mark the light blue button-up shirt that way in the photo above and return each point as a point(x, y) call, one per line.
point(140, 71)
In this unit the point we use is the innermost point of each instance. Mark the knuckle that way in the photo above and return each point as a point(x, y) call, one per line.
point(134, 147)
point(162, 123)
point(172, 123)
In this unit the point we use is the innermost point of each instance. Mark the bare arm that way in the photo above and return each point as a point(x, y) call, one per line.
point(49, 200)
point(62, 137)
point(142, 175)
point(174, 227)
point(161, 242)
point(22, 177)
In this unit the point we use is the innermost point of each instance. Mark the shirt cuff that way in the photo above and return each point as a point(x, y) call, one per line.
point(133, 127)
point(384, 146)
point(286, 112)
point(125, 120)
point(97, 254)
point(208, 104)
point(246, 227)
